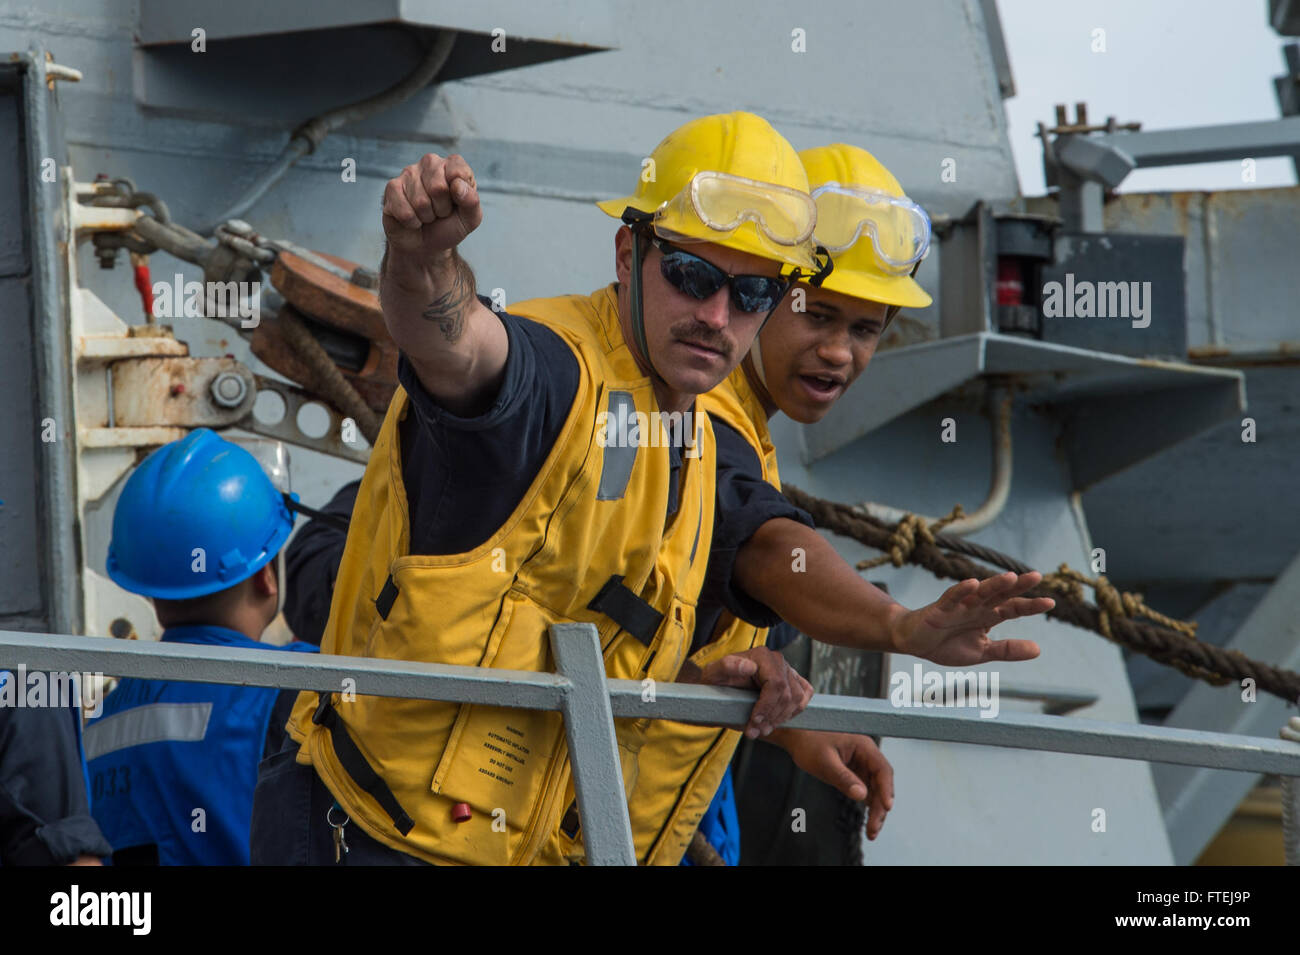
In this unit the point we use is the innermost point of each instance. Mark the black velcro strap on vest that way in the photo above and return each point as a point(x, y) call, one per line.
point(354, 763)
point(384, 602)
point(627, 610)
point(571, 823)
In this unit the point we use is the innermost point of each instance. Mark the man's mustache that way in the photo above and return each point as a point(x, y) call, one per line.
point(702, 335)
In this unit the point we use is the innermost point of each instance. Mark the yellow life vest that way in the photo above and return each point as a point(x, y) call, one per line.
point(681, 765)
point(595, 512)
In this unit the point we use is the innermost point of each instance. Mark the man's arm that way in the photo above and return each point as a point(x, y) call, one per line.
point(44, 810)
point(831, 602)
point(456, 345)
point(825, 597)
point(311, 567)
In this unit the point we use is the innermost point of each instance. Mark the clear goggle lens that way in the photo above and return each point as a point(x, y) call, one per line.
point(898, 227)
point(723, 203)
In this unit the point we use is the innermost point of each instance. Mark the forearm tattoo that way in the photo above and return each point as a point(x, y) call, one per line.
point(448, 309)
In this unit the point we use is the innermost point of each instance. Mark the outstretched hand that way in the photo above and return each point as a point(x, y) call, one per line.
point(954, 630)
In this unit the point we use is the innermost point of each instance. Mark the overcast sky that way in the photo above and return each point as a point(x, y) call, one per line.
point(1168, 64)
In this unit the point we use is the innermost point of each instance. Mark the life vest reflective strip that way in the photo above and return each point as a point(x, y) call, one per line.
point(682, 765)
point(594, 512)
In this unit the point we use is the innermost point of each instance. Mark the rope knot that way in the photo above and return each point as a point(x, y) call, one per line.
point(903, 539)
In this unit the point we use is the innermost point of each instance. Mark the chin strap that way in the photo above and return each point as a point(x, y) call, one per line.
point(634, 294)
point(337, 521)
point(756, 349)
point(756, 359)
point(824, 269)
point(281, 589)
point(895, 309)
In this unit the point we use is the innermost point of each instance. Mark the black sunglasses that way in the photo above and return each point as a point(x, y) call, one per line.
point(700, 278)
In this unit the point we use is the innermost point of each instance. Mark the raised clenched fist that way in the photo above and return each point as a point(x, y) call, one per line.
point(431, 206)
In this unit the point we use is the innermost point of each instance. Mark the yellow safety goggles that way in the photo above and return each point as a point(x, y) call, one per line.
point(715, 206)
point(899, 228)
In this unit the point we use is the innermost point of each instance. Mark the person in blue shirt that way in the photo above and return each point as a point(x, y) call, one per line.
point(173, 765)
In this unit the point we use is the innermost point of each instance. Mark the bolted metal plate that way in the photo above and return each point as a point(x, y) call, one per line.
point(158, 392)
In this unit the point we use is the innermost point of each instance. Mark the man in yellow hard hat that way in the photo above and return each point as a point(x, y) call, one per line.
point(506, 492)
point(754, 538)
point(817, 343)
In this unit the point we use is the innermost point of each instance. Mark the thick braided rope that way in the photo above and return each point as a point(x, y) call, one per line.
point(1165, 644)
point(1112, 603)
point(701, 853)
point(902, 542)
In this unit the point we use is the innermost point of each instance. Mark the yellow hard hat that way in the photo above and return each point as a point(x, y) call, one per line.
point(730, 179)
point(875, 234)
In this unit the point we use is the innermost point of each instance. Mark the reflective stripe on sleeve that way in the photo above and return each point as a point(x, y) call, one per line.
point(154, 723)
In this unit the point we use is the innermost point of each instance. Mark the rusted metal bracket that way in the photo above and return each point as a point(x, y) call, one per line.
point(181, 392)
point(138, 386)
point(152, 390)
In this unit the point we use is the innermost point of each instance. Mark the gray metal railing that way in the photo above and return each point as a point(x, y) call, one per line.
point(589, 702)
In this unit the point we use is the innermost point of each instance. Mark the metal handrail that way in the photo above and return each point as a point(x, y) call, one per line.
point(588, 713)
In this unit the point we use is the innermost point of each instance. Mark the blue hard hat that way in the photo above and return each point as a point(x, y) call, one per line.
point(197, 516)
